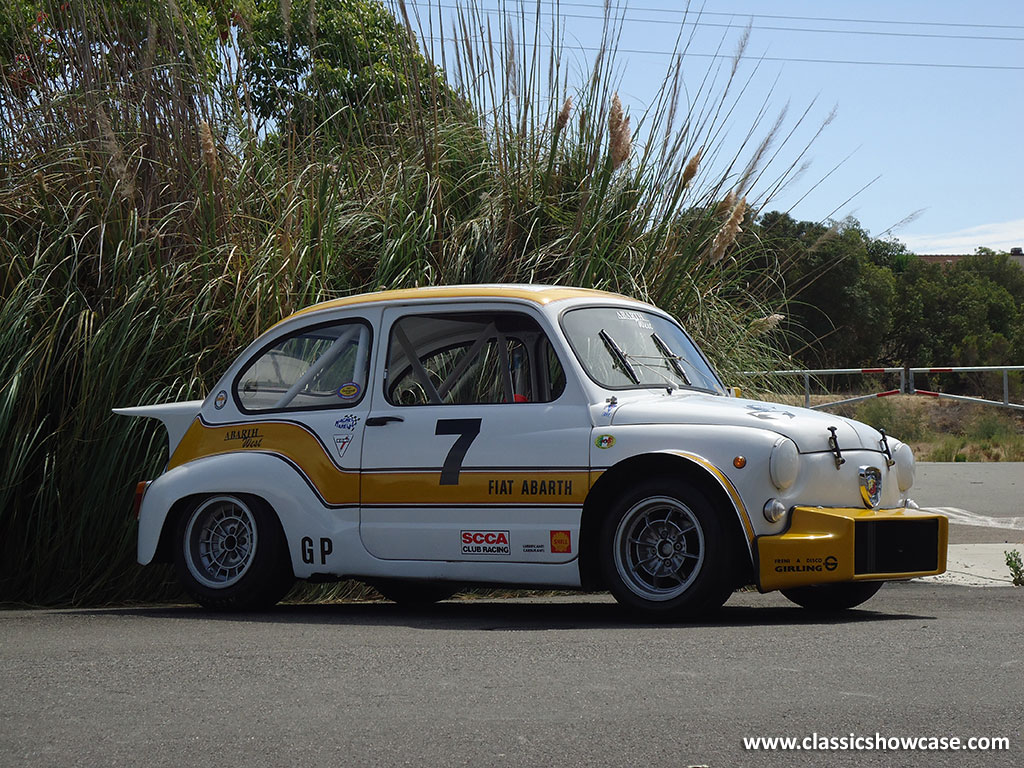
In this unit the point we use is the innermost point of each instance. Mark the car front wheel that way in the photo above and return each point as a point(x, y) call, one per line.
point(665, 553)
point(231, 555)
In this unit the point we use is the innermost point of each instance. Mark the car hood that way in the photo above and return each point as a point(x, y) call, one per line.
point(808, 429)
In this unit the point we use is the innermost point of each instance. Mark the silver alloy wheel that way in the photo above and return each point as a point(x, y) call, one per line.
point(220, 542)
point(659, 548)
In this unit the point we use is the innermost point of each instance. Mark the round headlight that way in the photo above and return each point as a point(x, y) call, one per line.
point(904, 467)
point(784, 464)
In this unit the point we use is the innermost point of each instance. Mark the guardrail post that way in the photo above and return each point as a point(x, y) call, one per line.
point(903, 380)
point(1006, 387)
point(913, 389)
point(807, 390)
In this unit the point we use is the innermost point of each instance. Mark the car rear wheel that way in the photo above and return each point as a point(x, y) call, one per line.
point(231, 555)
point(833, 597)
point(665, 552)
point(407, 592)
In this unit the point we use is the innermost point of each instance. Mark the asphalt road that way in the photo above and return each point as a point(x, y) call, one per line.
point(992, 494)
point(545, 681)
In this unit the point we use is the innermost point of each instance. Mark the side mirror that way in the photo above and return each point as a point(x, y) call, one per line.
point(734, 391)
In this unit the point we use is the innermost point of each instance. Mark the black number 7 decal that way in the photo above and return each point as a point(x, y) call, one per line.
point(467, 430)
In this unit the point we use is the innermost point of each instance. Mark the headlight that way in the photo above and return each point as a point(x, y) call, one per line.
point(904, 467)
point(784, 464)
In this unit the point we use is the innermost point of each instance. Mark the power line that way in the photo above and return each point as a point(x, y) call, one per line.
point(781, 59)
point(812, 18)
point(696, 22)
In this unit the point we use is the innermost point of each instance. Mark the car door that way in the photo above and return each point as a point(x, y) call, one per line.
point(306, 396)
point(476, 446)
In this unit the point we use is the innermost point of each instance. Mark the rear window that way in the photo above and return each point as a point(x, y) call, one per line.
point(324, 366)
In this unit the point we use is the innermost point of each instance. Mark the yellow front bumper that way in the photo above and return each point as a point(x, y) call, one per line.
point(837, 544)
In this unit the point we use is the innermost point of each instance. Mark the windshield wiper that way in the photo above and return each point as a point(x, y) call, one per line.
point(617, 353)
point(672, 359)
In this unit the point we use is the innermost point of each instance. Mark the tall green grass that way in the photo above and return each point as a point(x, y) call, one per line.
point(150, 228)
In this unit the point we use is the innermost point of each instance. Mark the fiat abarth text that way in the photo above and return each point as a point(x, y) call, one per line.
point(422, 440)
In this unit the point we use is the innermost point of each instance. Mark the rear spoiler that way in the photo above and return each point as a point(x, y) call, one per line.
point(176, 417)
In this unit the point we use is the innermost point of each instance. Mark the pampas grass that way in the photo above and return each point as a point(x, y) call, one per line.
point(727, 234)
point(619, 136)
point(150, 229)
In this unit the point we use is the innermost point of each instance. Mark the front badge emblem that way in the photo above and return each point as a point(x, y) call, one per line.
point(870, 486)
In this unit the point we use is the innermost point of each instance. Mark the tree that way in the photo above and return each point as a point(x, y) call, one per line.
point(839, 300)
point(854, 300)
point(997, 268)
point(889, 253)
point(970, 313)
point(333, 62)
point(52, 46)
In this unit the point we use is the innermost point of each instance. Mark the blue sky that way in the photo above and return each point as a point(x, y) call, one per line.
point(940, 143)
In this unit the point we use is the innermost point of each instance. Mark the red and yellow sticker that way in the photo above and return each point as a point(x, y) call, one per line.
point(561, 542)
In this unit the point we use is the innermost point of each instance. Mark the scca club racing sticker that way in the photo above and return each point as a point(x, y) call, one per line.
point(485, 543)
point(347, 422)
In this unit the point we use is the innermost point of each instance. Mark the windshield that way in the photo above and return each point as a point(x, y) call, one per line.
point(632, 349)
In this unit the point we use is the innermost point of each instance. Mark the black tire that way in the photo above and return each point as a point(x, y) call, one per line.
point(828, 598)
point(665, 552)
point(408, 592)
point(230, 554)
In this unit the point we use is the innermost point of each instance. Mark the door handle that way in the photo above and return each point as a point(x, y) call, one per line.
point(380, 421)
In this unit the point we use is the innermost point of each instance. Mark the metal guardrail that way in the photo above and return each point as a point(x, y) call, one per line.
point(906, 383)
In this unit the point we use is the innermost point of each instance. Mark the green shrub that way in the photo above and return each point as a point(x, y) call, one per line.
point(1016, 566)
point(991, 424)
point(901, 419)
point(948, 448)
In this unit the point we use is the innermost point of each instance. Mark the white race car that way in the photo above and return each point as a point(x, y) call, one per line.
point(421, 440)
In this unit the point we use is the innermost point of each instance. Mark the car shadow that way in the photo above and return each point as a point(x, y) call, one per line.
point(502, 615)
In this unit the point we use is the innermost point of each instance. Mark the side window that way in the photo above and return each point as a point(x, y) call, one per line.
point(324, 366)
point(461, 359)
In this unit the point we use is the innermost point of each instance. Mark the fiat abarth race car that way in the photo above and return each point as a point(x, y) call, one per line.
point(421, 440)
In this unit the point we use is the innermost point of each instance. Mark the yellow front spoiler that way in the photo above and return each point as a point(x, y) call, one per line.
point(838, 544)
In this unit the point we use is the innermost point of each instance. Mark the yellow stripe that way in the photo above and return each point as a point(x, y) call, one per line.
point(727, 484)
point(335, 485)
point(338, 486)
point(484, 488)
point(540, 295)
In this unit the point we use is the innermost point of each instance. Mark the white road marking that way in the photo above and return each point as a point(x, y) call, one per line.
point(963, 517)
